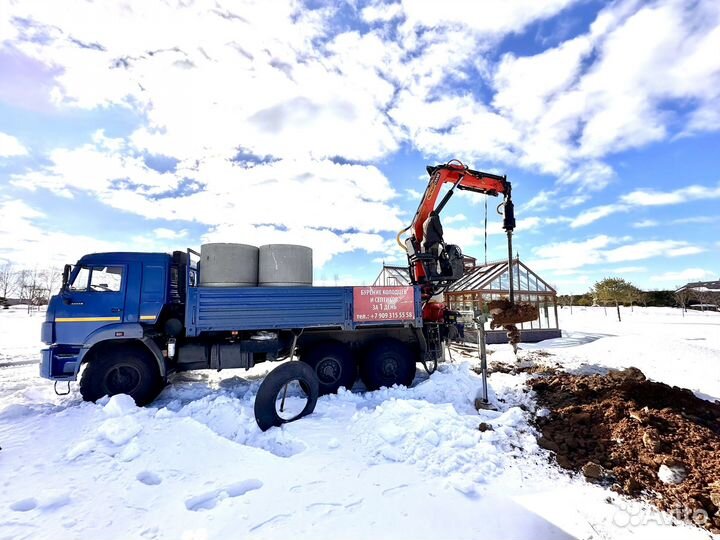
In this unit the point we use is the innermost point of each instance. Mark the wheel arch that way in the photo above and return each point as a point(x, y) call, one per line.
point(144, 344)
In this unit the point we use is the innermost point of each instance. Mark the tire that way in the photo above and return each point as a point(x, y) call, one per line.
point(388, 362)
point(333, 364)
point(127, 370)
point(273, 386)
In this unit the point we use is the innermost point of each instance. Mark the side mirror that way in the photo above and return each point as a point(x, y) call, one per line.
point(65, 276)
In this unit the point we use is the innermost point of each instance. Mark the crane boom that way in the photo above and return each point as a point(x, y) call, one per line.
point(462, 178)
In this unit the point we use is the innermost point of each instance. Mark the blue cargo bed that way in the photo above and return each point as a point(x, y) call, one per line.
point(218, 309)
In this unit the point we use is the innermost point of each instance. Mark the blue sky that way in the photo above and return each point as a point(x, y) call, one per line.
point(156, 126)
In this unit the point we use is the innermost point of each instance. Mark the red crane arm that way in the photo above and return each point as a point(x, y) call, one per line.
point(462, 178)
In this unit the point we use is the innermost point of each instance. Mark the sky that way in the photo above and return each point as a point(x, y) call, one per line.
point(159, 125)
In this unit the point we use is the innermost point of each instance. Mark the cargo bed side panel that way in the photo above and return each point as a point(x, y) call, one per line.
point(264, 308)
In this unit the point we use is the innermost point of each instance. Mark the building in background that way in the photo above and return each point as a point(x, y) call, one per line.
point(482, 283)
point(702, 295)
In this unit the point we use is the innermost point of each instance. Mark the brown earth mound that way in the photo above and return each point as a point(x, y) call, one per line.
point(504, 313)
point(632, 433)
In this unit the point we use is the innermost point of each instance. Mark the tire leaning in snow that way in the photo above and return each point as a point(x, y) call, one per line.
point(388, 362)
point(128, 370)
point(266, 415)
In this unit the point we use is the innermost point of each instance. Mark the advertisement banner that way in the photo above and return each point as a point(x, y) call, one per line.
point(378, 304)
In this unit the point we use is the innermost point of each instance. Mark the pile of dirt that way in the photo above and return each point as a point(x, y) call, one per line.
point(534, 363)
point(645, 439)
point(505, 313)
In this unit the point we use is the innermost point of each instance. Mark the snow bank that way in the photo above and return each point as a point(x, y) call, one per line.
point(395, 463)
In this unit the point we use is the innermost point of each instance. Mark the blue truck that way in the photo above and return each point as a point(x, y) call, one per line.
point(134, 319)
point(131, 320)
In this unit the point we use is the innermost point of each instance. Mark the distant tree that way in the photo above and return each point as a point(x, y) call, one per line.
point(705, 296)
point(50, 280)
point(634, 296)
point(33, 285)
point(566, 300)
point(7, 283)
point(682, 296)
point(613, 291)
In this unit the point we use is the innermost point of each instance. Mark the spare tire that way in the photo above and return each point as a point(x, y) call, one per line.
point(272, 390)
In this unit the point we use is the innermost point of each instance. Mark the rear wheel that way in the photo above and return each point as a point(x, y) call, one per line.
point(128, 370)
point(388, 362)
point(333, 364)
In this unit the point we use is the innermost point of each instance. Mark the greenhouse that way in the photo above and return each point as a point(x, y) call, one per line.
point(481, 284)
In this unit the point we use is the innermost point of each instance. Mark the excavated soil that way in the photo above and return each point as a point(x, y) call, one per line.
point(624, 431)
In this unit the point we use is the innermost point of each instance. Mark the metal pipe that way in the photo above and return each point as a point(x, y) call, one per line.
point(483, 355)
point(510, 260)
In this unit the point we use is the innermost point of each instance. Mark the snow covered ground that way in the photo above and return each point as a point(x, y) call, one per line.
point(395, 463)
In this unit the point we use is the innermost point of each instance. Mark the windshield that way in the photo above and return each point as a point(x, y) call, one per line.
point(96, 278)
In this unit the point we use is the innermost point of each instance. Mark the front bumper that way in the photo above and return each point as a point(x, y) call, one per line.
point(59, 363)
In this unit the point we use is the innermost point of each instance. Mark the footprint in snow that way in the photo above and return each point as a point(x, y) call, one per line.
point(209, 500)
point(148, 478)
point(303, 487)
point(47, 500)
point(24, 505)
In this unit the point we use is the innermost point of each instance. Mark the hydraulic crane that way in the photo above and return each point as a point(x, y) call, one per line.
point(421, 263)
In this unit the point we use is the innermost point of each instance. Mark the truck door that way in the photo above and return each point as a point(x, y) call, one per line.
point(94, 298)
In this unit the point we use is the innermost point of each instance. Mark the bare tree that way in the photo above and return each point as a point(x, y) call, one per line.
point(51, 279)
point(705, 296)
point(7, 283)
point(31, 285)
point(682, 296)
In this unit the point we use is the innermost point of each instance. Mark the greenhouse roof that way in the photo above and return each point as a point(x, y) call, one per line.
point(493, 277)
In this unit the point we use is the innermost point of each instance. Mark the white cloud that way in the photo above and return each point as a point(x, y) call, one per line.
point(381, 12)
point(169, 234)
point(293, 90)
point(26, 240)
point(696, 219)
point(215, 81)
point(630, 269)
point(651, 248)
point(593, 95)
point(10, 146)
point(684, 276)
point(593, 214)
point(469, 236)
point(333, 208)
point(646, 223)
point(413, 194)
point(492, 17)
point(599, 249)
point(541, 201)
point(234, 82)
point(454, 219)
point(643, 197)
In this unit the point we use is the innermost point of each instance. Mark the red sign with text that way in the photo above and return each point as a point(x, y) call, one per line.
point(377, 304)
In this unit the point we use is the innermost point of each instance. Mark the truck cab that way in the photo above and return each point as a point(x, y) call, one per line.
point(105, 296)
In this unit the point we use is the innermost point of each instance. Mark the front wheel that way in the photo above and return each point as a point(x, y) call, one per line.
point(128, 370)
point(388, 362)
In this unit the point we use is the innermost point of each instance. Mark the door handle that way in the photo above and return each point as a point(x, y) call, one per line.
point(116, 310)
